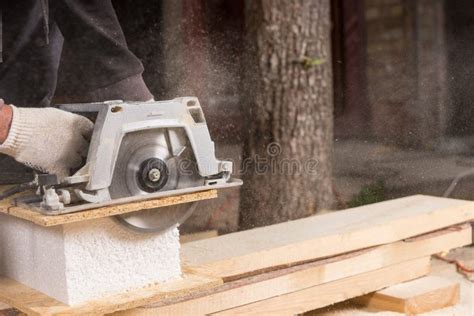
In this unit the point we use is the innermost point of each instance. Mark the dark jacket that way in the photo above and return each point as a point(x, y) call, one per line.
point(36, 32)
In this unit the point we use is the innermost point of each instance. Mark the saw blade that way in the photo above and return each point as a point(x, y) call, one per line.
point(155, 161)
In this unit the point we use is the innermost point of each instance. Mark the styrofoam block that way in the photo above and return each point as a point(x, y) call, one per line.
point(78, 262)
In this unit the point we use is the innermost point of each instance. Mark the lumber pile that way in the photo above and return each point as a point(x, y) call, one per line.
point(289, 268)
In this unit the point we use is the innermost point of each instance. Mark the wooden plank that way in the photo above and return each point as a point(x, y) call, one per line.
point(53, 220)
point(280, 282)
point(198, 236)
point(415, 297)
point(234, 255)
point(33, 302)
point(337, 291)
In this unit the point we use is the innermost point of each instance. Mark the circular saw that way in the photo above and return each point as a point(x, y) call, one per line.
point(138, 151)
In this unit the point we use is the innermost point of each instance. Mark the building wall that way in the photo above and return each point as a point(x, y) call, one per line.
point(351, 109)
point(432, 107)
point(406, 71)
point(460, 66)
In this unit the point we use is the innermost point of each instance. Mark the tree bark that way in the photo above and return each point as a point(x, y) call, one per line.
point(289, 107)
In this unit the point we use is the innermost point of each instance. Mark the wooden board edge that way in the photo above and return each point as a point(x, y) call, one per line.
point(445, 298)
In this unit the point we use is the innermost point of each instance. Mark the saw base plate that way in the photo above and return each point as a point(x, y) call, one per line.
point(88, 206)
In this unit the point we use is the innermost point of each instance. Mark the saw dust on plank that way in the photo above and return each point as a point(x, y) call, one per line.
point(280, 282)
point(415, 297)
point(322, 236)
point(7, 207)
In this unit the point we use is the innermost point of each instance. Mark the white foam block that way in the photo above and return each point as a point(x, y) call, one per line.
point(78, 262)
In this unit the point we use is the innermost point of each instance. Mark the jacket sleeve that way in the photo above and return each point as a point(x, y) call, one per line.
point(97, 53)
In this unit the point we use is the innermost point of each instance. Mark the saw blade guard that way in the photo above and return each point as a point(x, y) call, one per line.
point(154, 160)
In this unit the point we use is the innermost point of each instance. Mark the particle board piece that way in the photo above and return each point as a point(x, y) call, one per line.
point(54, 220)
point(415, 297)
point(322, 236)
point(337, 291)
point(33, 302)
point(284, 281)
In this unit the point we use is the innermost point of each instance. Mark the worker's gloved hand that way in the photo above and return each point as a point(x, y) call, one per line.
point(48, 139)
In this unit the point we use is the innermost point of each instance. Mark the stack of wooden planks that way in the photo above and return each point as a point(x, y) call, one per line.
point(292, 267)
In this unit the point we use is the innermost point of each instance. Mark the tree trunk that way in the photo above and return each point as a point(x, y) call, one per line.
point(289, 106)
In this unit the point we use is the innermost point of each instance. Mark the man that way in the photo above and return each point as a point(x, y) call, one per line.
point(33, 34)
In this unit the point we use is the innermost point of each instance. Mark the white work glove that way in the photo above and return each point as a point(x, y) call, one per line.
point(48, 139)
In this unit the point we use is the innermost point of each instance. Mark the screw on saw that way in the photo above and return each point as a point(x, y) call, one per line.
point(154, 175)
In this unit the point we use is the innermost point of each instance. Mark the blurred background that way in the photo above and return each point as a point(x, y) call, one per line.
point(377, 92)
